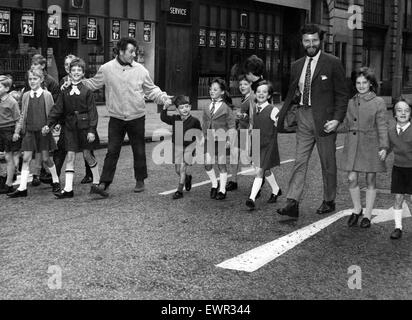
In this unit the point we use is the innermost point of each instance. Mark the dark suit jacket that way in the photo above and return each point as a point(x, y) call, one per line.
point(329, 94)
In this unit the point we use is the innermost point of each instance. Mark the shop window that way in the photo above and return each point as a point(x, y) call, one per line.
point(213, 17)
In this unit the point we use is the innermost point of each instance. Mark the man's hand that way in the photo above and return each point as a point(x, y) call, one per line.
point(331, 126)
point(45, 130)
point(16, 137)
point(66, 84)
point(382, 155)
point(167, 102)
point(91, 137)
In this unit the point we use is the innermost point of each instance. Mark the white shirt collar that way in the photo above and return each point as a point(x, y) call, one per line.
point(39, 92)
point(262, 106)
point(406, 126)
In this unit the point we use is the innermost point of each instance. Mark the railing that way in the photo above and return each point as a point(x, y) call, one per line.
point(17, 67)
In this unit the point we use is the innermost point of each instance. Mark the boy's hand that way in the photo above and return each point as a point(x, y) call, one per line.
point(382, 155)
point(66, 84)
point(91, 137)
point(45, 130)
point(16, 137)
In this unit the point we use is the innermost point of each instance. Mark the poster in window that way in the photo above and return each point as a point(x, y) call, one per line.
point(242, 40)
point(53, 26)
point(132, 29)
point(115, 30)
point(251, 41)
point(4, 22)
point(212, 38)
point(233, 40)
point(222, 39)
point(202, 38)
point(147, 32)
point(73, 31)
point(276, 43)
point(27, 23)
point(268, 42)
point(91, 29)
point(261, 42)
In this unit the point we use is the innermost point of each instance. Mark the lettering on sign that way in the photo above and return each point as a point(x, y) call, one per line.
point(180, 11)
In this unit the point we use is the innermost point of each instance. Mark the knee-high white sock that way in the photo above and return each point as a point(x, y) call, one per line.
point(257, 183)
point(24, 176)
point(397, 215)
point(95, 173)
point(370, 201)
point(223, 181)
point(355, 195)
point(69, 181)
point(53, 172)
point(273, 184)
point(212, 177)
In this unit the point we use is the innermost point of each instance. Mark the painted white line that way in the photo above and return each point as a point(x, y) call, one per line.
point(254, 259)
point(229, 176)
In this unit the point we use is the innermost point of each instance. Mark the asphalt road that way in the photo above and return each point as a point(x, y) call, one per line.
point(147, 246)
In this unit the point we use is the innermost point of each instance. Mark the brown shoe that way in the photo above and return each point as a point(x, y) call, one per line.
point(139, 186)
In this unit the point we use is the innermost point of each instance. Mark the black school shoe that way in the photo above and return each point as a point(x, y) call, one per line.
point(177, 195)
point(99, 189)
point(250, 204)
point(353, 219)
point(6, 189)
point(365, 223)
point(56, 187)
point(17, 194)
point(231, 186)
point(46, 178)
point(221, 196)
point(188, 182)
point(64, 194)
point(274, 197)
point(86, 179)
point(213, 192)
point(36, 181)
point(396, 234)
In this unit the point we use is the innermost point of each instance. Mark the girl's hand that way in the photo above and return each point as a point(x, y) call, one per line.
point(91, 137)
point(16, 137)
point(66, 84)
point(382, 155)
point(57, 128)
point(45, 130)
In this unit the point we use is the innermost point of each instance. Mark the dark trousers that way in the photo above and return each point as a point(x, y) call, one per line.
point(59, 155)
point(135, 130)
point(306, 138)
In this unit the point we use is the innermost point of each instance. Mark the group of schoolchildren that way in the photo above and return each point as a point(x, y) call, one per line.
point(368, 139)
point(27, 122)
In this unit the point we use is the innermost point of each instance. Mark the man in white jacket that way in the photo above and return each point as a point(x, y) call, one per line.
point(126, 84)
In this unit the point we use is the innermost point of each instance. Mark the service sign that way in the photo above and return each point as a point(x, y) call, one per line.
point(91, 29)
point(202, 38)
point(233, 40)
point(132, 29)
point(147, 32)
point(27, 23)
point(261, 42)
point(73, 31)
point(222, 39)
point(115, 30)
point(251, 41)
point(4, 22)
point(212, 38)
point(53, 26)
point(179, 12)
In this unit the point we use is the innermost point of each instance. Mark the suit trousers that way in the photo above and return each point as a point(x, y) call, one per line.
point(135, 130)
point(306, 138)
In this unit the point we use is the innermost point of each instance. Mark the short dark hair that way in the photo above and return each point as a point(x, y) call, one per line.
point(181, 99)
point(401, 99)
point(271, 91)
point(39, 59)
point(123, 42)
point(254, 65)
point(312, 28)
point(368, 74)
point(242, 77)
point(78, 62)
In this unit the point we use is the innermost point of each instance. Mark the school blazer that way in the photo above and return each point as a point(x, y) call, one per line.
point(329, 92)
point(223, 118)
point(48, 100)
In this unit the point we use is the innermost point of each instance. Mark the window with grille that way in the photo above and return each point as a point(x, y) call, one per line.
point(374, 11)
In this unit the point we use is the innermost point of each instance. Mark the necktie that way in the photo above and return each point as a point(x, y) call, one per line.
point(34, 94)
point(306, 88)
point(258, 109)
point(400, 131)
point(74, 90)
point(212, 111)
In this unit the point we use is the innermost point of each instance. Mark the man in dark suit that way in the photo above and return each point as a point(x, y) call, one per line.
point(318, 87)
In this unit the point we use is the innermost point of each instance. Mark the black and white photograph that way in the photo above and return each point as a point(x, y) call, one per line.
point(205, 155)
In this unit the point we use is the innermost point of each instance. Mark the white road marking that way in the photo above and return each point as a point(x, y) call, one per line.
point(229, 176)
point(256, 258)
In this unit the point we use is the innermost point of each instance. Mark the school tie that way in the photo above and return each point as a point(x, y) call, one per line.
point(400, 131)
point(74, 90)
point(306, 88)
point(259, 109)
point(212, 110)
